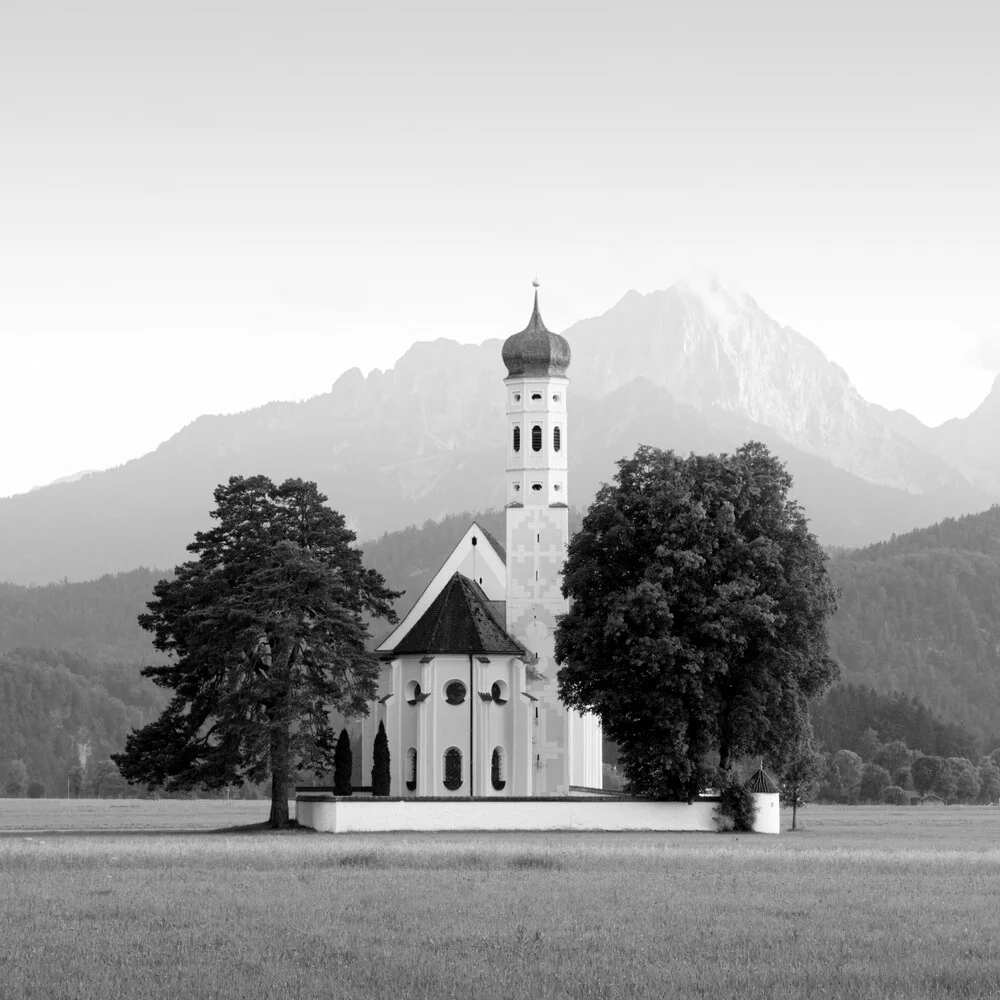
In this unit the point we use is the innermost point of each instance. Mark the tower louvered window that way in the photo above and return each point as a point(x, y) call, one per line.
point(517, 439)
point(556, 439)
point(536, 438)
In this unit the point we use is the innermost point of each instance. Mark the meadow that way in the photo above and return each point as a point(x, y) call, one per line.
point(862, 902)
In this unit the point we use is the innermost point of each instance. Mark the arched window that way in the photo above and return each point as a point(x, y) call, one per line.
point(498, 768)
point(453, 769)
point(556, 439)
point(411, 769)
point(517, 438)
point(454, 692)
point(499, 692)
point(413, 693)
point(536, 438)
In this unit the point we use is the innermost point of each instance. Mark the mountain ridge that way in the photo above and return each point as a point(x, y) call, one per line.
point(687, 368)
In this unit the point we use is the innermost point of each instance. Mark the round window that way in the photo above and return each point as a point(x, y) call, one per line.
point(454, 692)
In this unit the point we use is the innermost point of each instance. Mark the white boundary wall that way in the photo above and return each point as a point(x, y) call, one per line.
point(366, 815)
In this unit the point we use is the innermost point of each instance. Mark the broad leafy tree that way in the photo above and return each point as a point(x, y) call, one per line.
point(700, 609)
point(266, 632)
point(989, 780)
point(965, 779)
point(927, 773)
point(874, 780)
point(847, 768)
point(800, 768)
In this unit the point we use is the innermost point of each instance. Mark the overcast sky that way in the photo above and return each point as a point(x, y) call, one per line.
point(206, 206)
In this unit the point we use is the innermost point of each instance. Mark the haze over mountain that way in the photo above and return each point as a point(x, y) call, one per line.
point(697, 367)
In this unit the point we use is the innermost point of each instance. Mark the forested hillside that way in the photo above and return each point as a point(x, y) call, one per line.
point(57, 712)
point(921, 614)
point(857, 718)
point(95, 619)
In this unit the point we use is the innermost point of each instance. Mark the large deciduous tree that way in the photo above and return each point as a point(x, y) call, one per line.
point(266, 630)
point(700, 609)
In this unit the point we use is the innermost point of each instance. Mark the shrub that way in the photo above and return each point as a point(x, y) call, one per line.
point(343, 765)
point(895, 796)
point(36, 790)
point(380, 767)
point(737, 808)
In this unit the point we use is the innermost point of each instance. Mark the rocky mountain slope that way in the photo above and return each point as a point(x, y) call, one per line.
point(689, 368)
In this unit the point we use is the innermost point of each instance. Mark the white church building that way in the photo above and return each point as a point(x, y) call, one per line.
point(467, 689)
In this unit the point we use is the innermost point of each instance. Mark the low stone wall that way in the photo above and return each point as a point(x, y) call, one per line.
point(365, 815)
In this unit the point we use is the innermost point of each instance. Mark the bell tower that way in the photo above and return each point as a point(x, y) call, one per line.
point(566, 748)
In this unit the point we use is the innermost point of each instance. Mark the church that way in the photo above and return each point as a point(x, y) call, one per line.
point(467, 687)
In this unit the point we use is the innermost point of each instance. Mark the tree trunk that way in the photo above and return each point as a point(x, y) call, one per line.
point(280, 743)
point(281, 739)
point(795, 804)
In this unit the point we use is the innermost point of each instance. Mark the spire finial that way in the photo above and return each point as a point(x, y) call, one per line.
point(535, 317)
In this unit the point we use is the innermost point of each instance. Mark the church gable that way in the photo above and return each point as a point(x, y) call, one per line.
point(479, 557)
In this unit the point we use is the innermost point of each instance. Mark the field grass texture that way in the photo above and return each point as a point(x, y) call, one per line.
point(864, 902)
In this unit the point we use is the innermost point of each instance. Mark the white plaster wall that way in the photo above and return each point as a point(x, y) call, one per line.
point(768, 813)
point(368, 815)
point(374, 816)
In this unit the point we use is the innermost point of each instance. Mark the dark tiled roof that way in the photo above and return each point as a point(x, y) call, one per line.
point(460, 620)
point(536, 351)
point(497, 547)
point(760, 782)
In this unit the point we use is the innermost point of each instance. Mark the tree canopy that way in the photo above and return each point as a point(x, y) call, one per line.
point(266, 630)
point(698, 623)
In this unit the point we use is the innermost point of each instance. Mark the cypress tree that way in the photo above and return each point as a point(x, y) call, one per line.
point(343, 765)
point(380, 766)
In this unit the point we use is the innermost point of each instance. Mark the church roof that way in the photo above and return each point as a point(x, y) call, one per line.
point(497, 547)
point(460, 620)
point(536, 351)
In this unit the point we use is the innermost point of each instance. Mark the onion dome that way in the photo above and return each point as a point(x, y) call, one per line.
point(536, 352)
point(761, 783)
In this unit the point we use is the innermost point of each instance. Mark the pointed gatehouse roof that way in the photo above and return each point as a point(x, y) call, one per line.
point(761, 783)
point(460, 620)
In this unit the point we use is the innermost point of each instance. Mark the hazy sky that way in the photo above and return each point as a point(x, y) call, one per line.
point(206, 206)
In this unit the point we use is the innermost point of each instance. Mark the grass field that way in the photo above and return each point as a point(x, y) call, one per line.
point(864, 902)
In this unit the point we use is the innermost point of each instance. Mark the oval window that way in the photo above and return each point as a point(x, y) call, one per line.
point(499, 692)
point(536, 438)
point(536, 487)
point(453, 769)
point(413, 692)
point(454, 692)
point(517, 439)
point(556, 439)
point(536, 396)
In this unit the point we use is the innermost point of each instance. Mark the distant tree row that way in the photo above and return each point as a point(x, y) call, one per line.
point(897, 774)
